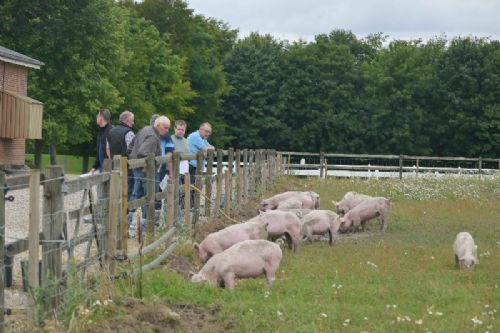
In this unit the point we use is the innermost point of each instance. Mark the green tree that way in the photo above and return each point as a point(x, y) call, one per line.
point(203, 43)
point(470, 74)
point(252, 109)
point(82, 54)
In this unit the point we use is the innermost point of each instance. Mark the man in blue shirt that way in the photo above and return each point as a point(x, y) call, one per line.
point(198, 142)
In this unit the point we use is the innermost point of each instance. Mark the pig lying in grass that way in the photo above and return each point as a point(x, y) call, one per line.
point(349, 201)
point(281, 223)
point(465, 251)
point(219, 241)
point(309, 200)
point(320, 222)
point(247, 259)
point(365, 211)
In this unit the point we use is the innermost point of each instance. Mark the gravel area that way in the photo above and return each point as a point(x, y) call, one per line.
point(17, 225)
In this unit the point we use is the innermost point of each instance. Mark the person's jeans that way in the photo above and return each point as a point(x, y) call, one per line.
point(130, 184)
point(140, 187)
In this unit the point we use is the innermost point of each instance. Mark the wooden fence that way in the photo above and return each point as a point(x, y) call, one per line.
point(363, 165)
point(236, 177)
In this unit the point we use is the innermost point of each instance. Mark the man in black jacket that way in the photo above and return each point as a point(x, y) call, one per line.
point(120, 136)
point(102, 120)
point(119, 139)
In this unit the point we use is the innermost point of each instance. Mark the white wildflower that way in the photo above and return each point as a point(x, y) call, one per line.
point(419, 322)
point(266, 294)
point(279, 313)
point(323, 315)
point(407, 318)
point(476, 321)
point(365, 318)
point(432, 258)
point(486, 305)
point(439, 313)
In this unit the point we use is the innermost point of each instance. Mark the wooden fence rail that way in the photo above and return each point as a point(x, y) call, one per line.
point(352, 165)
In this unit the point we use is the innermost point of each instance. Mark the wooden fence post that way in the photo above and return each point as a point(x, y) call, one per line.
point(325, 163)
point(176, 190)
point(245, 176)
point(198, 184)
point(251, 170)
point(219, 161)
point(321, 164)
point(227, 192)
point(480, 165)
point(230, 168)
point(219, 179)
point(150, 196)
point(53, 211)
point(237, 167)
point(264, 170)
point(187, 203)
point(400, 167)
point(111, 224)
point(208, 179)
point(33, 238)
point(124, 204)
point(2, 249)
point(171, 205)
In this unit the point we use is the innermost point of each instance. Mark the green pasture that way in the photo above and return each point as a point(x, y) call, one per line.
point(403, 280)
point(72, 164)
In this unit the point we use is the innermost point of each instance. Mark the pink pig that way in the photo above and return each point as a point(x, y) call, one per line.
point(219, 241)
point(365, 211)
point(320, 222)
point(349, 201)
point(308, 199)
point(247, 259)
point(281, 223)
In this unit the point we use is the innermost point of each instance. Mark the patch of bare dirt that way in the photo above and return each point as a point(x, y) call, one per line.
point(145, 316)
point(181, 266)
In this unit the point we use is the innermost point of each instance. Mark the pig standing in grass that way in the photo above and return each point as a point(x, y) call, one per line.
point(292, 203)
point(247, 259)
point(465, 251)
point(281, 223)
point(308, 199)
point(320, 222)
point(365, 211)
point(219, 241)
point(349, 201)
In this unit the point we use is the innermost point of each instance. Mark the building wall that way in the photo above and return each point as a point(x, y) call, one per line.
point(13, 78)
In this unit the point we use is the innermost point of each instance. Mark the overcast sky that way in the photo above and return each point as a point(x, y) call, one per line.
point(399, 19)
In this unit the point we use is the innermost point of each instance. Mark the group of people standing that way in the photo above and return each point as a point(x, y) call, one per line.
point(152, 139)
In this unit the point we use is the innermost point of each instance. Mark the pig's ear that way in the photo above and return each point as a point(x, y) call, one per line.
point(196, 248)
point(190, 274)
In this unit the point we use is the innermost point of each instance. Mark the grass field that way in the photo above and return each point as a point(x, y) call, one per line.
point(72, 164)
point(403, 280)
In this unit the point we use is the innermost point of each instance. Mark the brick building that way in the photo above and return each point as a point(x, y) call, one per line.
point(20, 116)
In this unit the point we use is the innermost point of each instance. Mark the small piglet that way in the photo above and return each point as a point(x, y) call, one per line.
point(247, 259)
point(465, 251)
point(320, 222)
point(219, 241)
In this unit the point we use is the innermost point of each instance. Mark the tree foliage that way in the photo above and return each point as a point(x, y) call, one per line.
point(337, 93)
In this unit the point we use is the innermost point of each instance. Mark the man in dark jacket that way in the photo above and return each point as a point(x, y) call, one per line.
point(119, 139)
point(120, 136)
point(102, 120)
